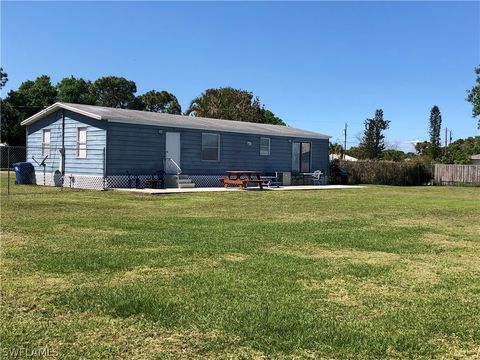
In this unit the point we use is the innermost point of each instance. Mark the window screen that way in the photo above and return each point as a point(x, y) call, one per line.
point(264, 146)
point(46, 142)
point(82, 142)
point(210, 147)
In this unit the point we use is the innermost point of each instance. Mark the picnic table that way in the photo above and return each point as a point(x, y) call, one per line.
point(242, 178)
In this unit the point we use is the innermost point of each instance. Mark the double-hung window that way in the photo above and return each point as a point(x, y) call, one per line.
point(264, 146)
point(210, 147)
point(82, 142)
point(46, 142)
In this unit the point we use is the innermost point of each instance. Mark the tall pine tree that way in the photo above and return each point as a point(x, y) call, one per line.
point(435, 125)
point(373, 142)
point(435, 129)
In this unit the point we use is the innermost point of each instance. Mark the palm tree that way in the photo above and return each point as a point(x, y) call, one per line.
point(335, 148)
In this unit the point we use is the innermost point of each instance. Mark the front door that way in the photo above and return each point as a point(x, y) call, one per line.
point(172, 152)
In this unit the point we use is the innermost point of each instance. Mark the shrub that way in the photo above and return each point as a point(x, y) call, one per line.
point(384, 172)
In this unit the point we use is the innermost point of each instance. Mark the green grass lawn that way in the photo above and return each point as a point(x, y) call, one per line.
point(376, 272)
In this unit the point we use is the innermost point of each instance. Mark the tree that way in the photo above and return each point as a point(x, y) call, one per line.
point(3, 77)
point(232, 104)
point(160, 101)
point(73, 90)
point(11, 132)
point(373, 141)
point(394, 155)
point(421, 147)
point(30, 98)
point(112, 91)
point(335, 148)
point(270, 118)
point(435, 125)
point(474, 96)
point(435, 129)
point(356, 152)
point(460, 151)
point(33, 96)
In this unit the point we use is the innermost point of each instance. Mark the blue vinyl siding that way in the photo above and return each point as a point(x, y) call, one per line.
point(96, 135)
point(141, 149)
point(138, 149)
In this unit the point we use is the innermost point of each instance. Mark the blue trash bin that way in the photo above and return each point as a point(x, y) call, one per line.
point(24, 173)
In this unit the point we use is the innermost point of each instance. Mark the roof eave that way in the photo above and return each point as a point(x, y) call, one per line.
point(52, 108)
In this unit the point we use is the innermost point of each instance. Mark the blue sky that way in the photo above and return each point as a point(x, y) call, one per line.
point(317, 65)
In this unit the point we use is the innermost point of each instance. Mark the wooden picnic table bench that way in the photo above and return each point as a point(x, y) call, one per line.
point(242, 178)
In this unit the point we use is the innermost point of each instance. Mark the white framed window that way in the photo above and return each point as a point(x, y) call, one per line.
point(82, 142)
point(46, 142)
point(264, 146)
point(210, 147)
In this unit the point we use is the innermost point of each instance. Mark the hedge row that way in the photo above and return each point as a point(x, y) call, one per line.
point(383, 172)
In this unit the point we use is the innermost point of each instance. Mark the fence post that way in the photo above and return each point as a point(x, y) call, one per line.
point(8, 170)
point(104, 169)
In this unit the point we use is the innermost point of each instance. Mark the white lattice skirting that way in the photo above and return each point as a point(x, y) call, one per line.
point(77, 181)
point(125, 181)
point(139, 181)
point(96, 182)
point(206, 180)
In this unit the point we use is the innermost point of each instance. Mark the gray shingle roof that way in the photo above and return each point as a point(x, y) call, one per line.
point(178, 121)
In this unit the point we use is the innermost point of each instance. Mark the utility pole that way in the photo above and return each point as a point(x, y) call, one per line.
point(345, 140)
point(446, 140)
point(451, 137)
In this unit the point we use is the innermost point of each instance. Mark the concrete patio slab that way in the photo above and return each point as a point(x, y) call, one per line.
point(222, 189)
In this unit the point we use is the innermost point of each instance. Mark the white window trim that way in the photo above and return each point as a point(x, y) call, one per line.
point(78, 142)
point(218, 142)
point(269, 146)
point(44, 143)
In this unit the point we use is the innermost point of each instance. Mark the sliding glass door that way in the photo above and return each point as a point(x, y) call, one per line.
point(301, 156)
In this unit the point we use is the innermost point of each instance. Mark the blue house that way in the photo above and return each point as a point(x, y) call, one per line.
point(98, 147)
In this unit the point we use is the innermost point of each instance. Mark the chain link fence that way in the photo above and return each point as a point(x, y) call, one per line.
point(54, 167)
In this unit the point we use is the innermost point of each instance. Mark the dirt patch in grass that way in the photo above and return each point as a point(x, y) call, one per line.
point(419, 272)
point(316, 252)
point(14, 239)
point(162, 248)
point(234, 257)
point(101, 232)
point(142, 341)
point(473, 229)
point(449, 242)
point(143, 273)
point(340, 292)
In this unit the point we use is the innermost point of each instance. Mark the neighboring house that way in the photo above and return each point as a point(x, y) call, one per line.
point(103, 145)
point(339, 157)
point(475, 159)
